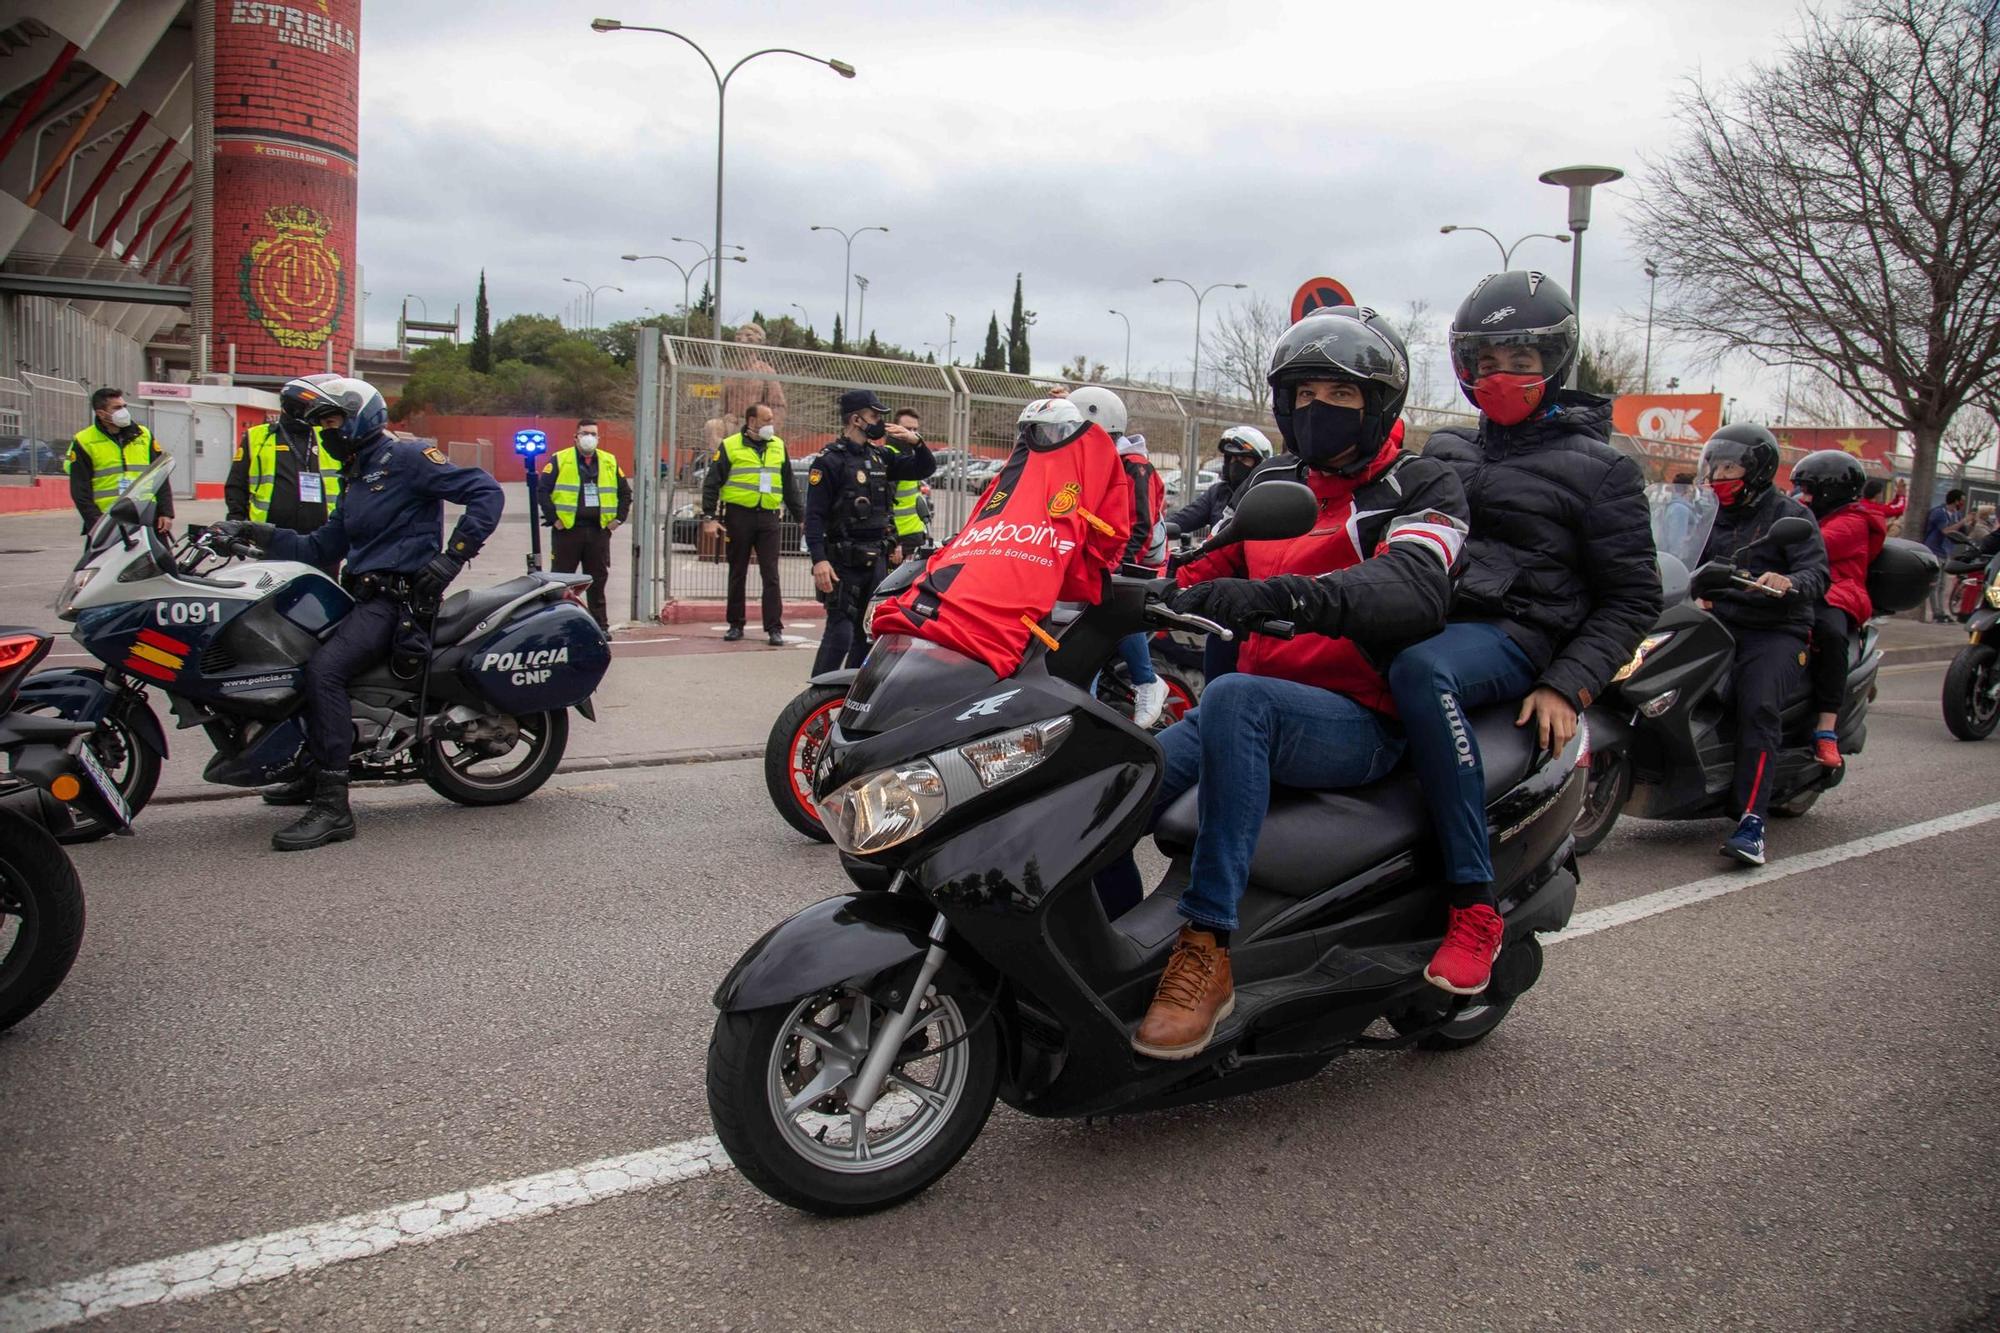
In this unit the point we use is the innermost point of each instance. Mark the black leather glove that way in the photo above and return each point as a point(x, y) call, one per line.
point(428, 585)
point(240, 532)
point(1237, 603)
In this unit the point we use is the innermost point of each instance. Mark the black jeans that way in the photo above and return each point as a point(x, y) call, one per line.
point(846, 638)
point(1832, 641)
point(753, 532)
point(360, 641)
point(1769, 664)
point(588, 547)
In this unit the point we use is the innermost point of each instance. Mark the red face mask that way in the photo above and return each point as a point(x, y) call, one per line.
point(1509, 399)
point(1727, 492)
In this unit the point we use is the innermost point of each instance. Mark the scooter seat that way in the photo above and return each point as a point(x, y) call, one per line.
point(1313, 840)
point(462, 610)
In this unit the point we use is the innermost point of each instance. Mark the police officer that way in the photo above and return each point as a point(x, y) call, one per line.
point(848, 531)
point(104, 458)
point(281, 474)
point(585, 496)
point(389, 525)
point(907, 510)
point(749, 480)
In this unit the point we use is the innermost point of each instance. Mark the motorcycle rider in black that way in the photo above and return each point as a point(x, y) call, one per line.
point(1772, 622)
point(1239, 453)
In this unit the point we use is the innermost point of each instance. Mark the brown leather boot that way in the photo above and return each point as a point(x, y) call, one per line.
point(1195, 994)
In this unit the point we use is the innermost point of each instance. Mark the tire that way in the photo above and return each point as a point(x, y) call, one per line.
point(791, 751)
point(1968, 685)
point(1519, 966)
point(41, 916)
point(755, 1061)
point(134, 768)
point(1603, 800)
point(454, 777)
point(1799, 804)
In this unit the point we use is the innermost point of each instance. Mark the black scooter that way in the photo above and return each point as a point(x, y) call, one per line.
point(1972, 682)
point(861, 1044)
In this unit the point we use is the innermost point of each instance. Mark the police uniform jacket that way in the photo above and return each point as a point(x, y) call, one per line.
point(844, 476)
point(391, 514)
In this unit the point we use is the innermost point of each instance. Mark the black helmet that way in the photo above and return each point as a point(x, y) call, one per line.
point(1745, 443)
point(1352, 344)
point(1518, 308)
point(1831, 478)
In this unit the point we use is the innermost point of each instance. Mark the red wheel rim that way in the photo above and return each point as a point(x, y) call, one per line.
point(803, 752)
point(1179, 701)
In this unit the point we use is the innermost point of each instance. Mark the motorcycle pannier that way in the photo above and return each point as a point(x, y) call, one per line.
point(1901, 576)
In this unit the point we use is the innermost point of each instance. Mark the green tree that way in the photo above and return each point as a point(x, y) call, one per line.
point(482, 330)
point(527, 338)
point(1017, 333)
point(839, 336)
point(993, 356)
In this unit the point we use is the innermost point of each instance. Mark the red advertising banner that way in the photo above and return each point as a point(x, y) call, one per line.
point(1682, 418)
point(1874, 445)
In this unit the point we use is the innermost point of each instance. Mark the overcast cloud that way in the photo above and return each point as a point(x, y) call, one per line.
point(1090, 151)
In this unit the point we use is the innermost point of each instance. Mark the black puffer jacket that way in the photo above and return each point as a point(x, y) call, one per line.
point(1804, 562)
point(1561, 553)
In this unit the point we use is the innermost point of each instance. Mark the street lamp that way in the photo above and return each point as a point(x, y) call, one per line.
point(1646, 375)
point(840, 67)
point(590, 298)
point(1193, 442)
point(862, 284)
point(1128, 343)
point(803, 313)
point(687, 279)
point(1579, 181)
point(847, 273)
point(1506, 251)
point(950, 336)
point(579, 300)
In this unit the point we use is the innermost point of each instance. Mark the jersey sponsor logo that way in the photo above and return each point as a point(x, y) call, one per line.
point(1007, 533)
point(1065, 500)
point(436, 455)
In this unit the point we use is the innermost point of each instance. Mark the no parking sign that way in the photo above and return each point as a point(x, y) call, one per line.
point(1318, 294)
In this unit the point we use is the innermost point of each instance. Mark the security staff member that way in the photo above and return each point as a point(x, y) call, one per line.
point(280, 473)
point(848, 532)
point(750, 477)
point(104, 458)
point(389, 526)
point(907, 510)
point(576, 483)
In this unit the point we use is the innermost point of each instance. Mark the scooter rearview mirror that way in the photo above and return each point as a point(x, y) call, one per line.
point(1789, 529)
point(1267, 512)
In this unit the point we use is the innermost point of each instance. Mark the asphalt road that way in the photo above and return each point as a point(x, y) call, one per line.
point(1771, 1109)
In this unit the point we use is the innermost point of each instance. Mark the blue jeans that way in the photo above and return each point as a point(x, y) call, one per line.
point(1249, 732)
point(1137, 651)
point(1465, 666)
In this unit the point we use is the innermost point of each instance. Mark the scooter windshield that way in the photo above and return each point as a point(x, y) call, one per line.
point(905, 678)
point(1682, 518)
point(143, 490)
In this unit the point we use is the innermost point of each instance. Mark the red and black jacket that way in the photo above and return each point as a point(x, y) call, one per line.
point(1853, 534)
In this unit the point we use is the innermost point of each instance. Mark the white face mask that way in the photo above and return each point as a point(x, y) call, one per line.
point(122, 418)
point(765, 433)
point(587, 443)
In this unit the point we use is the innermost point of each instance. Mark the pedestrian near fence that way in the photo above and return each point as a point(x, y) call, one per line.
point(749, 481)
point(585, 496)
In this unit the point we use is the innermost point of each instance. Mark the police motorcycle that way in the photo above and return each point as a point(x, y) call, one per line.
point(226, 639)
point(861, 1044)
point(1663, 734)
point(48, 769)
point(1972, 681)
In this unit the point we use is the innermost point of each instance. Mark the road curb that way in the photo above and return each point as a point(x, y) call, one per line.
point(709, 754)
point(1929, 652)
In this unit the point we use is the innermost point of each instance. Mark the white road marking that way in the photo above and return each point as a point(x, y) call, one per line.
point(244, 1263)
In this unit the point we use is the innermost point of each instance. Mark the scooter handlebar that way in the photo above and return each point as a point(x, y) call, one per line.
point(1160, 615)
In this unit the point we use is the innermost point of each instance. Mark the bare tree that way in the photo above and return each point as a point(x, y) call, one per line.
point(1970, 434)
point(1611, 363)
point(1431, 380)
point(1840, 207)
point(1239, 351)
point(1082, 368)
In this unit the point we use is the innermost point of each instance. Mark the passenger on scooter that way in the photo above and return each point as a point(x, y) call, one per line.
point(1560, 582)
point(1739, 463)
point(1830, 483)
point(1312, 711)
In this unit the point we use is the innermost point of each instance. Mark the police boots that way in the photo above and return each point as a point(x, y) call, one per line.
point(327, 818)
point(296, 792)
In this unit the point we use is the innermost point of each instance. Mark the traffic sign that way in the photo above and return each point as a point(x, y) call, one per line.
point(1317, 294)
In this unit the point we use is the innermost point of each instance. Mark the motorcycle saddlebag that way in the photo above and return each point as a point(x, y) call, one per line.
point(551, 658)
point(1901, 576)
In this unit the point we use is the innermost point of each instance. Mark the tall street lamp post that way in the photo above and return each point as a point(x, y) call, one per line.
point(860, 285)
point(1191, 447)
point(687, 279)
point(1579, 181)
point(847, 272)
point(840, 67)
point(1506, 251)
point(1128, 342)
point(950, 336)
point(590, 298)
point(1652, 287)
point(577, 304)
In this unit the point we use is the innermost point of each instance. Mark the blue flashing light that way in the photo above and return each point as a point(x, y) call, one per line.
point(528, 443)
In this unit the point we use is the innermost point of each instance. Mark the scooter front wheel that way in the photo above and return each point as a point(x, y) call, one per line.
point(1971, 696)
point(1610, 786)
point(791, 752)
point(778, 1081)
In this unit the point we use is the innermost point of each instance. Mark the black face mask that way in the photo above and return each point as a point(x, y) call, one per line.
point(1234, 470)
point(1329, 438)
point(874, 430)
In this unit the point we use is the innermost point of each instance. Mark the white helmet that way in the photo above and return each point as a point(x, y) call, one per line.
point(1239, 440)
point(1101, 405)
point(1049, 422)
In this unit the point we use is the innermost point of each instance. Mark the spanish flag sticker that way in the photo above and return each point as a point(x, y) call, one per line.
point(156, 655)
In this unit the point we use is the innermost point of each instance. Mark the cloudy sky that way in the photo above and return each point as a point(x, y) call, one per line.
point(1090, 148)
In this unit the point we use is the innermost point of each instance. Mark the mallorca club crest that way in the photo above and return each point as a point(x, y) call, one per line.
point(292, 281)
point(1064, 500)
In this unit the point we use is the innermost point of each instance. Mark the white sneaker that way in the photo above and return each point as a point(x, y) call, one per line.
point(1147, 703)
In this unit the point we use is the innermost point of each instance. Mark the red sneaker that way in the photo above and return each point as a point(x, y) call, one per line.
point(1826, 749)
point(1463, 964)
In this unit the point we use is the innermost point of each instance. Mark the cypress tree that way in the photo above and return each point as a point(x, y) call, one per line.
point(1017, 333)
point(994, 356)
point(482, 331)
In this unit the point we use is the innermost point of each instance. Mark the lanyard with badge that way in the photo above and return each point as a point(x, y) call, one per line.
point(312, 489)
point(588, 458)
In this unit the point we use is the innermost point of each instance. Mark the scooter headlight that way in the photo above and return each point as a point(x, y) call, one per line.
point(78, 580)
point(876, 812)
point(997, 758)
point(1646, 645)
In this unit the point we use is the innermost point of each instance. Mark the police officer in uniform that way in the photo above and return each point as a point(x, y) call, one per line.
point(849, 493)
point(281, 474)
point(106, 455)
point(389, 526)
point(578, 488)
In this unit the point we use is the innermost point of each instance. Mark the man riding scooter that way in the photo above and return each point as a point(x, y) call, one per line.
point(1312, 711)
point(1772, 621)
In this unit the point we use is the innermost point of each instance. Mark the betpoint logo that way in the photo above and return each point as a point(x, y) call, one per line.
point(1679, 424)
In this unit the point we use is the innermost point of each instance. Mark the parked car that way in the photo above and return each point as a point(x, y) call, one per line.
point(21, 455)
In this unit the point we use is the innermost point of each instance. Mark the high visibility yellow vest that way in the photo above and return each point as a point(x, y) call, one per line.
point(265, 441)
point(113, 466)
point(566, 494)
point(904, 510)
point(756, 479)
